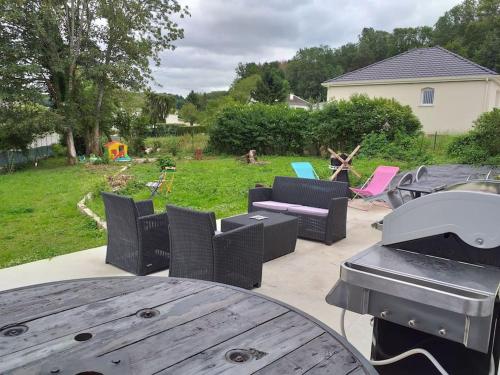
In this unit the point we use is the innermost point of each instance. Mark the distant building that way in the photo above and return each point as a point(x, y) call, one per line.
point(445, 91)
point(295, 101)
point(174, 119)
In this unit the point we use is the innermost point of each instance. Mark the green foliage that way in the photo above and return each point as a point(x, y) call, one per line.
point(282, 130)
point(159, 105)
point(189, 113)
point(481, 145)
point(102, 45)
point(472, 29)
point(165, 161)
point(268, 129)
point(343, 124)
point(172, 145)
point(123, 122)
point(408, 148)
point(487, 129)
point(308, 69)
point(138, 132)
point(59, 150)
point(241, 90)
point(22, 123)
point(271, 88)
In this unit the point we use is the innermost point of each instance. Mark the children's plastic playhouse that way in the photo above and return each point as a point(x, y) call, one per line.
point(117, 151)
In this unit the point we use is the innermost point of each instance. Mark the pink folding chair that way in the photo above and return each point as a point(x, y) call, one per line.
point(377, 182)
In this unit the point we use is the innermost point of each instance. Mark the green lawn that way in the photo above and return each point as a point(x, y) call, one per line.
point(38, 205)
point(38, 212)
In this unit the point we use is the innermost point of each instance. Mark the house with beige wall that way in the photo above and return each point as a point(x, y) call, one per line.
point(445, 91)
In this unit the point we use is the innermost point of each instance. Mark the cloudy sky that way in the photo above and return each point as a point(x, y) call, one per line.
point(221, 33)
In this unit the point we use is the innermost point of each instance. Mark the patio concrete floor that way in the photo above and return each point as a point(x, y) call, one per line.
point(301, 279)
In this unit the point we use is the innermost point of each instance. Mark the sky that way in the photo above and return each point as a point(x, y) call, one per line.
point(221, 33)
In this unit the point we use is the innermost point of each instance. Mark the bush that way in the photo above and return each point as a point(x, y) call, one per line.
point(344, 124)
point(269, 129)
point(165, 161)
point(487, 130)
point(58, 149)
point(481, 145)
point(277, 129)
point(409, 148)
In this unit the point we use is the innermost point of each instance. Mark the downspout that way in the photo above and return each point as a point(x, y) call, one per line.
point(485, 96)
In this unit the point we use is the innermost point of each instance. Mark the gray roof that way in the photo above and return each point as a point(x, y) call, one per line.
point(416, 63)
point(297, 101)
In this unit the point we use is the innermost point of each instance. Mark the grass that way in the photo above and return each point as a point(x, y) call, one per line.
point(221, 184)
point(38, 211)
point(38, 205)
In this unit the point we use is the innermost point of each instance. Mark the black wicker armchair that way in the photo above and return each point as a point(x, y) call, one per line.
point(320, 206)
point(137, 238)
point(199, 252)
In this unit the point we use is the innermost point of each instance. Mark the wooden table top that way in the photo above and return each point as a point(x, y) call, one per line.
point(157, 325)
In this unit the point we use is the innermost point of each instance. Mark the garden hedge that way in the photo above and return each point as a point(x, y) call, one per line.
point(279, 130)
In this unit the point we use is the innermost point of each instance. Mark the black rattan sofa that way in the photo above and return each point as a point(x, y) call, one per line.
point(198, 251)
point(137, 237)
point(320, 206)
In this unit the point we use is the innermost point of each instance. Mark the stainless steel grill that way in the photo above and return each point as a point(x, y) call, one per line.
point(436, 271)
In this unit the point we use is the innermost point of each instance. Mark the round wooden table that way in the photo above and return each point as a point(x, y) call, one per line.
point(157, 325)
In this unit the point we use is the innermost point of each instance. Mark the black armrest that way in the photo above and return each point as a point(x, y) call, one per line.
point(337, 220)
point(238, 255)
point(153, 223)
point(145, 207)
point(259, 194)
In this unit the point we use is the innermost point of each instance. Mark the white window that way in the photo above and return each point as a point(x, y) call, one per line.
point(427, 96)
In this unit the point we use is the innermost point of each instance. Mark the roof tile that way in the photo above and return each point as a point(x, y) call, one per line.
point(416, 63)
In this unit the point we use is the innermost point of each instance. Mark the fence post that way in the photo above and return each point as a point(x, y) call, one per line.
point(435, 140)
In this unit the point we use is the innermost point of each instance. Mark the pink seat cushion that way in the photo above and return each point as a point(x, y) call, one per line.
point(273, 205)
point(309, 211)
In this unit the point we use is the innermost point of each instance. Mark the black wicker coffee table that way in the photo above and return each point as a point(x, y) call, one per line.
point(158, 325)
point(280, 231)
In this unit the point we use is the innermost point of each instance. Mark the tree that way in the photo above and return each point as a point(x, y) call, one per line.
point(21, 124)
point(271, 88)
point(246, 70)
point(159, 106)
point(309, 68)
point(241, 90)
point(47, 39)
point(189, 113)
point(50, 45)
point(132, 34)
point(193, 98)
point(472, 29)
point(404, 39)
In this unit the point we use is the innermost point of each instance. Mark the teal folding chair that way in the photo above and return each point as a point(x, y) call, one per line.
point(305, 170)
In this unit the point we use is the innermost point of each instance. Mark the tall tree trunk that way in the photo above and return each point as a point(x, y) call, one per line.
point(100, 96)
point(95, 132)
point(70, 144)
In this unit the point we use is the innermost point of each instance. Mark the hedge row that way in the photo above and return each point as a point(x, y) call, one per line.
point(164, 130)
point(277, 129)
point(481, 145)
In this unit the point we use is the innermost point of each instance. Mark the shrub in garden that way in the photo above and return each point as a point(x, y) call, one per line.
point(165, 161)
point(278, 129)
point(343, 124)
point(268, 129)
point(404, 147)
point(481, 145)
